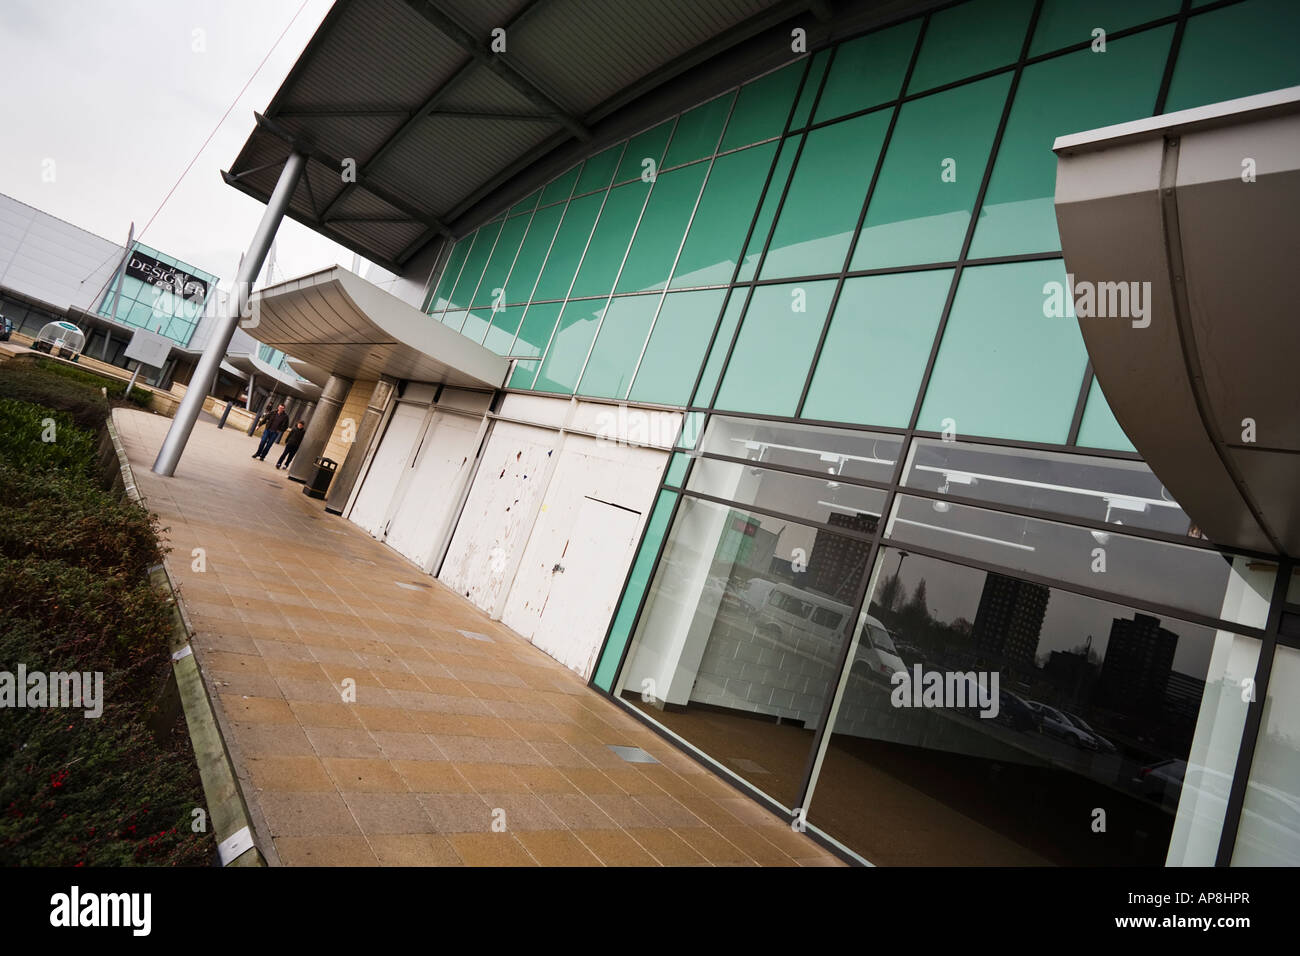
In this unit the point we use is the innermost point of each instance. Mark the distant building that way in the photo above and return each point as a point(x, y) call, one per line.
point(1139, 661)
point(1009, 621)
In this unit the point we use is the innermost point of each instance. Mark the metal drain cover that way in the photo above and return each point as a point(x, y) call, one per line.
point(632, 754)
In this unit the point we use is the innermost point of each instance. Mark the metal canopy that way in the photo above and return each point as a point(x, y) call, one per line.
point(250, 364)
point(340, 323)
point(1204, 205)
point(411, 94)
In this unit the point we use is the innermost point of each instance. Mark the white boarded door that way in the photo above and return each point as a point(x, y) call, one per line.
point(583, 583)
point(444, 461)
point(375, 498)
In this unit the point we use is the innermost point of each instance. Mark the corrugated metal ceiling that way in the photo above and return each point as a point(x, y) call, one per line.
point(410, 92)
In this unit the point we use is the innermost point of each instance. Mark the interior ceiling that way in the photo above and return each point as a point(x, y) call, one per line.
point(411, 94)
point(1204, 206)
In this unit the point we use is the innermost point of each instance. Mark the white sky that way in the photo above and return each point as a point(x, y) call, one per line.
point(117, 95)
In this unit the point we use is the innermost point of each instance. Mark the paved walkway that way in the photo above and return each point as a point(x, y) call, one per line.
point(457, 720)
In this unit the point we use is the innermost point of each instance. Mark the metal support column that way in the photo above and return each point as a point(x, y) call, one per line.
point(205, 373)
point(319, 427)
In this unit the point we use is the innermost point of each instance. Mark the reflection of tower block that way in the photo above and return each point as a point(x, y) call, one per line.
point(837, 562)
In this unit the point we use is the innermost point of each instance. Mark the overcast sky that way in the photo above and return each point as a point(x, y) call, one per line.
point(120, 95)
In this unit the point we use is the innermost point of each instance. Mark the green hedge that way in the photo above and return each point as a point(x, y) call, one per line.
point(59, 378)
point(74, 563)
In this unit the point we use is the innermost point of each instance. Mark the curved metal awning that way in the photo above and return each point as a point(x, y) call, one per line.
point(412, 96)
point(1204, 205)
point(251, 365)
point(343, 325)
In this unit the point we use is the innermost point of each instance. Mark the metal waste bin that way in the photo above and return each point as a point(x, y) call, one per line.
point(320, 482)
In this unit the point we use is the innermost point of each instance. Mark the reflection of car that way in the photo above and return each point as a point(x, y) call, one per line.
point(876, 649)
point(1102, 744)
point(1055, 724)
point(785, 613)
point(1269, 832)
point(1015, 712)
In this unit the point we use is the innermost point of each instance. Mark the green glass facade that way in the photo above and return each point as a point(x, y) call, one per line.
point(146, 306)
point(849, 255)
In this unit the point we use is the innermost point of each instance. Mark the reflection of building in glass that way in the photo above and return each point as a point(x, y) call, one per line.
point(837, 563)
point(1009, 620)
point(1139, 661)
point(1183, 694)
point(1072, 673)
point(745, 543)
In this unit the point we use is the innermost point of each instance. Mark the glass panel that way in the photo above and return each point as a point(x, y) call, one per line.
point(1064, 23)
point(777, 339)
point(677, 344)
point(829, 502)
point(842, 453)
point(618, 346)
point(767, 212)
point(454, 318)
point(722, 219)
point(1237, 51)
point(1269, 831)
point(659, 234)
point(566, 252)
point(519, 287)
point(1003, 370)
point(1068, 94)
point(539, 323)
point(523, 375)
point(868, 71)
point(505, 323)
point(569, 346)
point(677, 466)
point(698, 131)
point(559, 189)
point(721, 346)
point(948, 53)
point(803, 109)
point(1194, 579)
point(731, 632)
point(1017, 710)
point(1070, 485)
point(877, 347)
point(825, 199)
point(1207, 772)
point(692, 426)
point(1099, 428)
point(484, 240)
point(599, 170)
point(610, 240)
point(503, 257)
point(762, 107)
point(451, 273)
point(527, 204)
point(637, 581)
point(648, 145)
point(922, 204)
point(476, 323)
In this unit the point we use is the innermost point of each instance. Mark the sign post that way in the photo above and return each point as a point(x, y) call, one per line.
point(146, 348)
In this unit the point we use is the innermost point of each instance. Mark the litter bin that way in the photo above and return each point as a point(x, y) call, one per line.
point(320, 482)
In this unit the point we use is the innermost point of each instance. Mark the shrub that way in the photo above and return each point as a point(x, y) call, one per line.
point(77, 597)
point(116, 387)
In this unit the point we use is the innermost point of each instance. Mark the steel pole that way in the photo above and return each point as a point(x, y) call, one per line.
point(205, 372)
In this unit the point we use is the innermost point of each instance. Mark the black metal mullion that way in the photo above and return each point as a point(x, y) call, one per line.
point(776, 214)
point(699, 375)
point(1254, 717)
point(1080, 404)
point(862, 217)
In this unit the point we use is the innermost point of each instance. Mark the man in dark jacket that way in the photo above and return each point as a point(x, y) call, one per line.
point(276, 422)
point(291, 445)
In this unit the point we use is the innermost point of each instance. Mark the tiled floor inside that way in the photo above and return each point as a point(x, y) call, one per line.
point(464, 744)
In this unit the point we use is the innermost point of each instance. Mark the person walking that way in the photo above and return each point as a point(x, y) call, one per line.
point(291, 445)
point(276, 422)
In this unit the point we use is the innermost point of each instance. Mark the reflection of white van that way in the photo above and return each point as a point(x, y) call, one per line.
point(784, 612)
